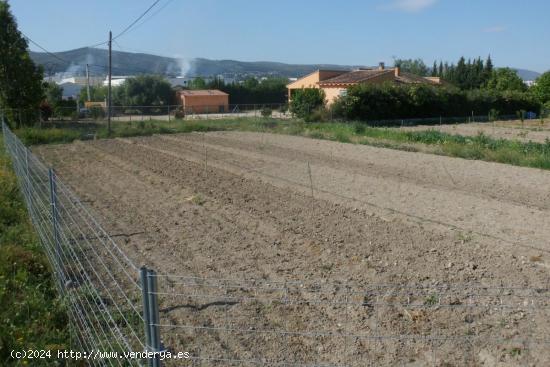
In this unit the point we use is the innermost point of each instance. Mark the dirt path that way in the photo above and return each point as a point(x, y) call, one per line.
point(455, 240)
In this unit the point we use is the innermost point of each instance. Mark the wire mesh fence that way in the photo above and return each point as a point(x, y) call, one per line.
point(114, 306)
point(100, 284)
point(231, 323)
point(136, 113)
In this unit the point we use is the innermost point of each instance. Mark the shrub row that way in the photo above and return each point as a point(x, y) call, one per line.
point(367, 102)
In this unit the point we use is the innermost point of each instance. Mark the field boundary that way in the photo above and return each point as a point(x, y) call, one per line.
point(114, 305)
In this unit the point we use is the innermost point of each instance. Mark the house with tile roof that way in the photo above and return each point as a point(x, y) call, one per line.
point(335, 82)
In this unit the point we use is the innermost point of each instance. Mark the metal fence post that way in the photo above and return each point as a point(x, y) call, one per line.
point(55, 227)
point(28, 181)
point(154, 316)
point(143, 273)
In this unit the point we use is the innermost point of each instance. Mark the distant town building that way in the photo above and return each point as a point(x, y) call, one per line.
point(180, 81)
point(203, 101)
point(82, 80)
point(335, 82)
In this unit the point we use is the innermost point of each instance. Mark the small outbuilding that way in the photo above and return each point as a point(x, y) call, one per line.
point(203, 101)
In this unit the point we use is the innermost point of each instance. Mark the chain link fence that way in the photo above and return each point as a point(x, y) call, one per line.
point(116, 306)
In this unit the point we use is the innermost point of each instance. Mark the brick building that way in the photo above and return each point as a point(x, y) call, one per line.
point(203, 101)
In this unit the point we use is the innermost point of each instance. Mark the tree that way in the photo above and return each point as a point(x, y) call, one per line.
point(20, 79)
point(489, 65)
point(305, 101)
point(434, 69)
point(460, 77)
point(251, 83)
point(53, 93)
point(197, 83)
point(144, 90)
point(97, 94)
point(506, 79)
point(541, 89)
point(417, 66)
point(270, 90)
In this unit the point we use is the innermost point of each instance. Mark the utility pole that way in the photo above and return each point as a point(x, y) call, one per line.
point(109, 93)
point(88, 82)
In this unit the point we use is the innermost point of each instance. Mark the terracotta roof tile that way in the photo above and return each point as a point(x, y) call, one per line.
point(202, 92)
point(357, 76)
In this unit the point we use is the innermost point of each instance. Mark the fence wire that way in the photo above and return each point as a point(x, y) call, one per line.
point(114, 306)
point(98, 282)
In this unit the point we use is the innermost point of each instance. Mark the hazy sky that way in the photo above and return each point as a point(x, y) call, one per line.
point(516, 33)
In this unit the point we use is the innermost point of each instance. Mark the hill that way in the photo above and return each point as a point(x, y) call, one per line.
point(127, 63)
point(527, 74)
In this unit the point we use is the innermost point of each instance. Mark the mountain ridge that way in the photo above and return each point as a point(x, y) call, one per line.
point(73, 62)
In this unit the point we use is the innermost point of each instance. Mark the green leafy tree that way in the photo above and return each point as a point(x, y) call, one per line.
point(197, 83)
point(503, 79)
point(97, 94)
point(53, 93)
point(20, 79)
point(251, 83)
point(270, 90)
point(144, 90)
point(416, 66)
point(541, 89)
point(305, 101)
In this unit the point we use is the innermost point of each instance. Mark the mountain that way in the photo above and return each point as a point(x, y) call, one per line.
point(74, 62)
point(527, 74)
point(123, 63)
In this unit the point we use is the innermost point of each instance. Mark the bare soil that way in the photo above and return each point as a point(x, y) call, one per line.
point(529, 130)
point(284, 249)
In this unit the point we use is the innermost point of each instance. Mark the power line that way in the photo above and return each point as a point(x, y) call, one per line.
point(153, 15)
point(137, 20)
point(46, 51)
point(104, 67)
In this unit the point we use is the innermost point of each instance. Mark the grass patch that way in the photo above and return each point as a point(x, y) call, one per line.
point(32, 316)
point(480, 147)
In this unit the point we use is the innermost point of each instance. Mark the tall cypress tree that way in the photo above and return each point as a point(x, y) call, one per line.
point(460, 77)
point(20, 79)
point(434, 69)
point(488, 70)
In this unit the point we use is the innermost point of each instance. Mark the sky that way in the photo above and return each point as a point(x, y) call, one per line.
point(352, 32)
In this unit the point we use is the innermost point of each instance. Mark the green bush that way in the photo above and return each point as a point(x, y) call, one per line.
point(306, 100)
point(320, 114)
point(266, 112)
point(34, 136)
point(388, 101)
point(359, 128)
